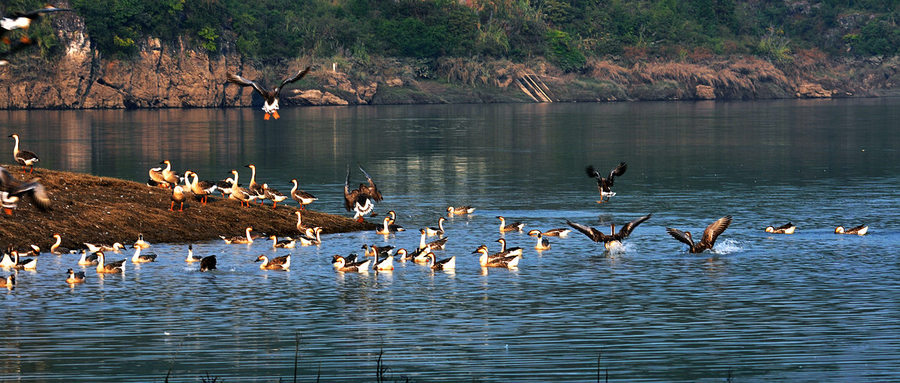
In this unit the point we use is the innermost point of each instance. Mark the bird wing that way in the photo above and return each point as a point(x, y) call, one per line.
point(592, 233)
point(291, 79)
point(36, 194)
point(680, 236)
point(617, 171)
point(714, 229)
point(34, 14)
point(235, 79)
point(785, 226)
point(349, 196)
point(629, 227)
point(371, 191)
point(591, 172)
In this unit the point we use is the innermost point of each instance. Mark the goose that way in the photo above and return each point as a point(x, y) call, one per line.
point(88, 259)
point(169, 175)
point(224, 186)
point(444, 264)
point(393, 224)
point(787, 228)
point(270, 106)
point(372, 250)
point(95, 248)
point(74, 277)
point(201, 189)
point(141, 242)
point(156, 178)
point(515, 226)
point(287, 243)
point(859, 230)
point(12, 189)
point(561, 232)
point(362, 200)
point(273, 194)
point(421, 255)
point(388, 228)
point(191, 258)
point(430, 231)
point(604, 184)
point(385, 264)
point(709, 235)
point(255, 188)
point(23, 20)
point(403, 254)
point(238, 193)
point(437, 244)
point(310, 240)
point(240, 239)
point(486, 260)
point(542, 243)
point(459, 210)
point(303, 198)
point(24, 264)
point(341, 264)
point(208, 263)
point(8, 282)
point(277, 263)
point(510, 251)
point(24, 157)
point(613, 239)
point(7, 260)
point(56, 249)
point(112, 267)
point(347, 260)
point(177, 197)
point(142, 258)
point(300, 226)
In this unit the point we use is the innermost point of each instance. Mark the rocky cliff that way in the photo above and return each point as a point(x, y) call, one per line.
point(177, 75)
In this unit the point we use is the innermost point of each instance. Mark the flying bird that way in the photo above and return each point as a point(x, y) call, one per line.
point(362, 200)
point(270, 106)
point(12, 189)
point(709, 235)
point(604, 184)
point(613, 238)
point(23, 20)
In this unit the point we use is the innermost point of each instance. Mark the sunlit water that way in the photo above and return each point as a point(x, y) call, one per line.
point(812, 306)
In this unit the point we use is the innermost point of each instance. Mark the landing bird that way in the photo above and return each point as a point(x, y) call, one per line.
point(362, 200)
point(709, 235)
point(270, 106)
point(613, 238)
point(12, 189)
point(23, 20)
point(604, 184)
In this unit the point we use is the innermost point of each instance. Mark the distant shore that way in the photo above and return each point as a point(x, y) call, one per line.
point(87, 208)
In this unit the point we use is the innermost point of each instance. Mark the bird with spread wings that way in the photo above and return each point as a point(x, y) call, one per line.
point(270, 106)
point(362, 199)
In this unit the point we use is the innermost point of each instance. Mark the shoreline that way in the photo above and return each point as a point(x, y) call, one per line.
point(88, 208)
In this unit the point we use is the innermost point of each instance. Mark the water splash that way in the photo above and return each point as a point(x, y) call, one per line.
point(727, 246)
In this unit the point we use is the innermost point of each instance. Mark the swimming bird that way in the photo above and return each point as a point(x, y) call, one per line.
point(7, 260)
point(393, 224)
point(277, 263)
point(95, 248)
point(787, 228)
point(24, 264)
point(142, 258)
point(88, 259)
point(12, 189)
point(208, 263)
point(515, 226)
point(177, 197)
point(362, 200)
point(372, 250)
point(270, 106)
point(287, 243)
point(239, 240)
point(74, 277)
point(24, 157)
point(430, 231)
point(459, 210)
point(303, 198)
point(444, 264)
point(859, 230)
point(55, 248)
point(341, 264)
point(511, 251)
point(486, 260)
point(613, 239)
point(141, 242)
point(112, 267)
point(542, 243)
point(385, 264)
point(709, 235)
point(387, 228)
point(437, 244)
point(274, 195)
point(8, 282)
point(561, 232)
point(23, 20)
point(239, 193)
point(347, 260)
point(191, 258)
point(604, 184)
point(312, 237)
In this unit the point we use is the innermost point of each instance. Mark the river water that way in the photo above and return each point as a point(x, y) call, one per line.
point(812, 306)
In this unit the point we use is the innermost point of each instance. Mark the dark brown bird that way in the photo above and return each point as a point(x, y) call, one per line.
point(208, 263)
point(12, 189)
point(604, 184)
point(270, 106)
point(362, 200)
point(613, 237)
point(709, 235)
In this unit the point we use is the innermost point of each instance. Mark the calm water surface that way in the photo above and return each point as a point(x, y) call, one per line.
point(812, 306)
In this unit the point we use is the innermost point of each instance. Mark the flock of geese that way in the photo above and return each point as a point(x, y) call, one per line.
point(361, 201)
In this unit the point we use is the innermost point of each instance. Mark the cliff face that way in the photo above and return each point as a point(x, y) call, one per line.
point(164, 76)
